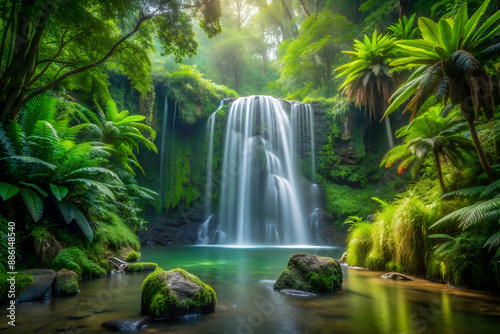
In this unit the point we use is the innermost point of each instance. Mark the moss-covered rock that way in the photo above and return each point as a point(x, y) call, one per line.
point(66, 283)
point(23, 281)
point(311, 273)
point(133, 256)
point(74, 259)
point(41, 286)
point(175, 293)
point(141, 266)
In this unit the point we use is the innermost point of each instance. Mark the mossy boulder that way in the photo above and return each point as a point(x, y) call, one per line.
point(23, 281)
point(141, 266)
point(133, 256)
point(41, 286)
point(74, 259)
point(175, 293)
point(66, 283)
point(311, 273)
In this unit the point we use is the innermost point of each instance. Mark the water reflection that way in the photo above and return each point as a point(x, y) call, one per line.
point(247, 303)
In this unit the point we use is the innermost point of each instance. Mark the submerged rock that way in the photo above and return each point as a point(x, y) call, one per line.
point(40, 288)
point(141, 266)
point(175, 293)
point(126, 324)
point(311, 273)
point(395, 275)
point(65, 283)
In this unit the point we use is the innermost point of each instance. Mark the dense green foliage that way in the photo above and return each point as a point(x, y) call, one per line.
point(65, 166)
point(455, 237)
point(431, 135)
point(43, 43)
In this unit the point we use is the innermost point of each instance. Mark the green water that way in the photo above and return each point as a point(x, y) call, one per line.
point(243, 279)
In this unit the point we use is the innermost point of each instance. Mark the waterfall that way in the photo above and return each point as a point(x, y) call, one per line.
point(309, 113)
point(259, 190)
point(302, 130)
point(163, 143)
point(208, 188)
point(203, 237)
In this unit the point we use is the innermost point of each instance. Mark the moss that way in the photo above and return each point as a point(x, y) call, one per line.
point(342, 200)
point(104, 264)
point(326, 277)
point(65, 283)
point(161, 302)
point(133, 256)
point(141, 266)
point(22, 282)
point(74, 259)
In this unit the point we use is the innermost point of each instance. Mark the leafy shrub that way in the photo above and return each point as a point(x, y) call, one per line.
point(75, 259)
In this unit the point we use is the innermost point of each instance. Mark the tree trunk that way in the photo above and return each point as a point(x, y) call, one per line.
point(479, 149)
point(306, 12)
point(401, 10)
point(440, 172)
point(388, 130)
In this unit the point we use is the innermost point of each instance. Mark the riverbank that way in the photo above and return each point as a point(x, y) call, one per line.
point(243, 280)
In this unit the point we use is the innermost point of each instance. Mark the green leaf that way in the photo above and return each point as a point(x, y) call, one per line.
point(8, 190)
point(486, 25)
point(447, 35)
point(67, 210)
point(70, 212)
point(33, 202)
point(474, 19)
point(429, 30)
point(59, 191)
point(129, 119)
point(459, 26)
point(99, 185)
point(30, 160)
point(34, 186)
point(442, 52)
point(472, 23)
point(84, 225)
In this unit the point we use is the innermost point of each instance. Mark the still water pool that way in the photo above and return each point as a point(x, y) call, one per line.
point(243, 280)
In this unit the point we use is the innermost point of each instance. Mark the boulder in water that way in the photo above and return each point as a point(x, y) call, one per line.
point(65, 283)
point(396, 276)
point(40, 288)
point(175, 293)
point(311, 273)
point(126, 324)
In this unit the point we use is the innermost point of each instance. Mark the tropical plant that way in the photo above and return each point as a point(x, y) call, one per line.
point(449, 61)
point(404, 28)
point(47, 168)
point(369, 80)
point(431, 135)
point(120, 132)
point(484, 209)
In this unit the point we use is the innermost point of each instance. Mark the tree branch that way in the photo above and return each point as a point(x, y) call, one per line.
point(95, 64)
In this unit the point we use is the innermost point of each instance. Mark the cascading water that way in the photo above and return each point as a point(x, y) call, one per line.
point(302, 132)
point(208, 188)
point(260, 201)
point(203, 233)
